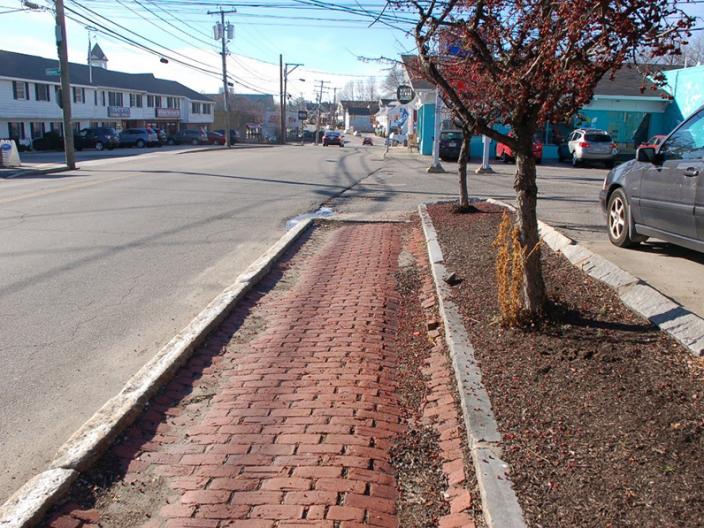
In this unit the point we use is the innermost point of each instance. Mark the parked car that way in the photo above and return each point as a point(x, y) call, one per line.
point(188, 137)
point(52, 140)
point(332, 137)
point(367, 141)
point(99, 138)
point(505, 154)
point(309, 136)
point(563, 152)
point(234, 135)
point(655, 141)
point(161, 136)
point(591, 144)
point(138, 137)
point(216, 138)
point(397, 138)
point(658, 194)
point(450, 144)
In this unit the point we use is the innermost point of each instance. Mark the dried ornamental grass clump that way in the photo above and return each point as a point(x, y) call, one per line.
point(510, 258)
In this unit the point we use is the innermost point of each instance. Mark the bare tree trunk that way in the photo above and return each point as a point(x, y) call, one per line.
point(527, 198)
point(462, 169)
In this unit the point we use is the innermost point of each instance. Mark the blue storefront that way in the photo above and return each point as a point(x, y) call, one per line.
point(619, 106)
point(686, 86)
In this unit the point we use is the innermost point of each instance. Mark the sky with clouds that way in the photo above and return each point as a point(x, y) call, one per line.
point(329, 43)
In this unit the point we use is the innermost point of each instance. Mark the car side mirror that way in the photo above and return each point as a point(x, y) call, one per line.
point(648, 155)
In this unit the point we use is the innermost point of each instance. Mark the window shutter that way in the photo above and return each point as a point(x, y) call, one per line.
point(14, 89)
point(36, 91)
point(83, 95)
point(26, 91)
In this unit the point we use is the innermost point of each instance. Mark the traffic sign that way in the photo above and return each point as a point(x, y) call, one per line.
point(405, 94)
point(302, 115)
point(52, 72)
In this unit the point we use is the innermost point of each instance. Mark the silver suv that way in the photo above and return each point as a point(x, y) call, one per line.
point(591, 144)
point(138, 137)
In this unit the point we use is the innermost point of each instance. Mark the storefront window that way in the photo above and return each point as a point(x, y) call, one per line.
point(36, 129)
point(16, 131)
point(57, 126)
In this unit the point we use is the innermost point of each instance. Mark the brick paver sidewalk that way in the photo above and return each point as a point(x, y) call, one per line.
point(292, 428)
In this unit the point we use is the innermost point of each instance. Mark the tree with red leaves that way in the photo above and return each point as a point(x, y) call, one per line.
point(526, 63)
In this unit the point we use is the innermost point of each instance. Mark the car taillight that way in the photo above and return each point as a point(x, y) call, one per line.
point(584, 144)
point(613, 145)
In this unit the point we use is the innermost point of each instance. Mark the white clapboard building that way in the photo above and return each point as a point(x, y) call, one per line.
point(29, 95)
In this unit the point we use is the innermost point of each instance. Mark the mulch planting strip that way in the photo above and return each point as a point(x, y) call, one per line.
point(601, 414)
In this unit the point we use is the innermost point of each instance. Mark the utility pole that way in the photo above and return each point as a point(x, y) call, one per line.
point(90, 62)
point(282, 121)
point(224, 33)
point(334, 106)
point(285, 72)
point(320, 102)
point(436, 166)
point(65, 84)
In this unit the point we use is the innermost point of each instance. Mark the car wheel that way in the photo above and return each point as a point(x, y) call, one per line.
point(170, 142)
point(195, 142)
point(505, 158)
point(99, 146)
point(618, 216)
point(140, 143)
point(576, 162)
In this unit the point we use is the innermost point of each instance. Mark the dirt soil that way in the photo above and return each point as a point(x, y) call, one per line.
point(601, 413)
point(416, 455)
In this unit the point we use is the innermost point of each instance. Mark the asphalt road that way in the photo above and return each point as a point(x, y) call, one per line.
point(101, 267)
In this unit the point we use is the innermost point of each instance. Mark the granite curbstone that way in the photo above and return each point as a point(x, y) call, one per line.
point(499, 501)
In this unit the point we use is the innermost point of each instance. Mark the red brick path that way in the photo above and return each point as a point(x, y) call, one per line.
point(299, 430)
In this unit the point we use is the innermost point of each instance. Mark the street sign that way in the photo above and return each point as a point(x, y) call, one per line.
point(52, 72)
point(302, 115)
point(404, 94)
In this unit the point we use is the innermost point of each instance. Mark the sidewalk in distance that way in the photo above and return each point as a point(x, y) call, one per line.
point(326, 399)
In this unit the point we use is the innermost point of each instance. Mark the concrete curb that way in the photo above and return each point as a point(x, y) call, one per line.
point(687, 328)
point(499, 502)
point(31, 501)
point(221, 148)
point(36, 172)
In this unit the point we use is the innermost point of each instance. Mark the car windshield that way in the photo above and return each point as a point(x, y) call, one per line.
point(598, 138)
point(451, 135)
